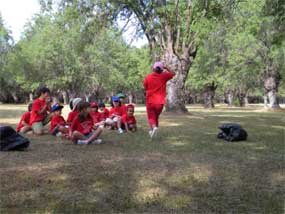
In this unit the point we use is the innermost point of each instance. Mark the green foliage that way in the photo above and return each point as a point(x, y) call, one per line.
point(237, 51)
point(78, 47)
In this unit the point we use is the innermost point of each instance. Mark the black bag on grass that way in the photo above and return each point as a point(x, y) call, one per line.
point(11, 140)
point(232, 132)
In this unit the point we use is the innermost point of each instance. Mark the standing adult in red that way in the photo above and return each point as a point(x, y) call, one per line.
point(40, 111)
point(155, 87)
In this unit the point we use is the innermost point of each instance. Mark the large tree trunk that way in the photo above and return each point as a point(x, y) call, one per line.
point(246, 103)
point(271, 79)
point(131, 97)
point(175, 87)
point(31, 97)
point(241, 95)
point(65, 97)
point(209, 94)
point(273, 101)
point(229, 96)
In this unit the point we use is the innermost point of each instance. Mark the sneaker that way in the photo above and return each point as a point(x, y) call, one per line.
point(97, 141)
point(59, 134)
point(154, 132)
point(150, 132)
point(82, 142)
point(120, 131)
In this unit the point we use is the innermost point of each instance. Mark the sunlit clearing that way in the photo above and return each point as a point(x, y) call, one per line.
point(278, 178)
point(149, 190)
point(177, 201)
point(62, 177)
point(170, 124)
point(202, 174)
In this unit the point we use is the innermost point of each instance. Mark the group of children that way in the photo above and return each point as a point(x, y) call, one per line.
point(87, 120)
point(84, 123)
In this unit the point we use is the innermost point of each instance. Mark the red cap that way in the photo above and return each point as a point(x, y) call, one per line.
point(130, 106)
point(94, 105)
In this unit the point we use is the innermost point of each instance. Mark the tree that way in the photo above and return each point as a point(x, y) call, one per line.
point(171, 28)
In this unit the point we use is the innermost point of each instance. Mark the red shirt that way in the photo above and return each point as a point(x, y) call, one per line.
point(71, 116)
point(84, 127)
point(56, 120)
point(129, 120)
point(95, 116)
point(124, 109)
point(104, 115)
point(155, 86)
point(116, 110)
point(37, 106)
point(25, 118)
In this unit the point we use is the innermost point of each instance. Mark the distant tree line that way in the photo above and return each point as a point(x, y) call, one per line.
point(222, 51)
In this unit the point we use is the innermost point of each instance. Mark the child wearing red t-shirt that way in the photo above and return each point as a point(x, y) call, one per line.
point(40, 111)
point(95, 114)
point(122, 98)
point(58, 125)
point(155, 87)
point(24, 124)
point(74, 110)
point(115, 115)
point(103, 112)
point(129, 120)
point(82, 126)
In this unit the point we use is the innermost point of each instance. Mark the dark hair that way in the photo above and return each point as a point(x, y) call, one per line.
point(158, 70)
point(30, 106)
point(82, 106)
point(42, 90)
point(71, 104)
point(101, 104)
point(113, 104)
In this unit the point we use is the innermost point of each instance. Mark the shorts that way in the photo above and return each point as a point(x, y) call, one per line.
point(55, 131)
point(38, 127)
point(86, 136)
point(112, 121)
point(130, 126)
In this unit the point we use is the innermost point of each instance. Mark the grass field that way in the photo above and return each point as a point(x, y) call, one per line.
point(186, 169)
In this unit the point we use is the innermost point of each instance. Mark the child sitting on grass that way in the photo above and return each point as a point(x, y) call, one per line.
point(94, 112)
point(82, 126)
point(58, 125)
point(115, 115)
point(129, 120)
point(24, 124)
point(40, 111)
point(122, 98)
point(74, 107)
point(96, 115)
point(103, 112)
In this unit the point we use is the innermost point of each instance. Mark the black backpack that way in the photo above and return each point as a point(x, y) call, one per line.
point(11, 140)
point(232, 132)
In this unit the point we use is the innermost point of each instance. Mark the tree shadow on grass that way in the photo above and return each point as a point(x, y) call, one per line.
point(185, 170)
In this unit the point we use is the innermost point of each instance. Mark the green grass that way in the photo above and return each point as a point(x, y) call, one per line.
point(185, 170)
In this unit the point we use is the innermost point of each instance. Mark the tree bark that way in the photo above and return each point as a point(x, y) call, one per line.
point(273, 101)
point(209, 94)
point(31, 97)
point(65, 97)
point(131, 97)
point(271, 83)
point(175, 87)
point(241, 99)
point(229, 95)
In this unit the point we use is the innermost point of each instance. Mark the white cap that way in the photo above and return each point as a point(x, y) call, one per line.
point(75, 102)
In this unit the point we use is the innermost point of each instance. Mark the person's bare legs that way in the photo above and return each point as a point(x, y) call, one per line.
point(77, 136)
point(119, 125)
point(94, 136)
point(25, 129)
